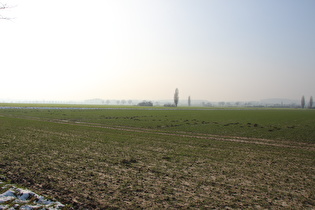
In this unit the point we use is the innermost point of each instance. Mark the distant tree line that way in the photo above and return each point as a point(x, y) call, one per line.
point(303, 105)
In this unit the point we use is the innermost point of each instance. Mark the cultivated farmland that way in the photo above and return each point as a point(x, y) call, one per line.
point(162, 158)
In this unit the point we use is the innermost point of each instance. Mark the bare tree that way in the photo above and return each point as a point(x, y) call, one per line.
point(303, 102)
point(176, 98)
point(2, 7)
point(311, 102)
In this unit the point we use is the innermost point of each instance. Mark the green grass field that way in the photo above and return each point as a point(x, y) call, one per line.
point(162, 158)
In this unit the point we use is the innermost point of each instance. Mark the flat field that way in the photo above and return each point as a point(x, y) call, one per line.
point(162, 158)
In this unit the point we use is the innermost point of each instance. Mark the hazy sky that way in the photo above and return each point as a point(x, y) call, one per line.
point(219, 50)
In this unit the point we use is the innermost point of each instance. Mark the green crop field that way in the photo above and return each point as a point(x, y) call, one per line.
point(102, 157)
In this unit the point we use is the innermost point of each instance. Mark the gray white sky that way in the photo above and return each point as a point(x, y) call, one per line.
point(217, 50)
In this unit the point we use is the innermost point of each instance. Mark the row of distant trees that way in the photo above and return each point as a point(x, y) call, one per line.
point(303, 104)
point(310, 103)
point(121, 102)
point(176, 100)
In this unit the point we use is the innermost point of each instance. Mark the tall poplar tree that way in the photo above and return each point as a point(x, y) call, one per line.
point(311, 102)
point(189, 101)
point(176, 98)
point(303, 102)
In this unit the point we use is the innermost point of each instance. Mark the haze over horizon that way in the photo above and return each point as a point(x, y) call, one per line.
point(209, 49)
